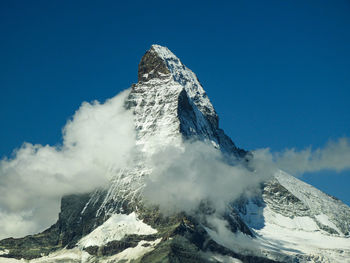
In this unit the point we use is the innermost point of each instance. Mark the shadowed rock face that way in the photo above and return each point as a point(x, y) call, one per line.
point(151, 66)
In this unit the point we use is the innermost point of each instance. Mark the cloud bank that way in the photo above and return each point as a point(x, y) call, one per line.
point(100, 139)
point(182, 178)
point(97, 140)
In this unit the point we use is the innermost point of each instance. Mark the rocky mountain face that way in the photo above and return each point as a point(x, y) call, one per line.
point(287, 221)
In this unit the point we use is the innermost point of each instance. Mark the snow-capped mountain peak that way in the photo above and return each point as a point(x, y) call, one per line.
point(287, 221)
point(160, 63)
point(165, 114)
point(170, 104)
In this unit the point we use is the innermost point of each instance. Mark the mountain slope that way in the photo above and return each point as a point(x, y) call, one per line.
point(297, 219)
point(281, 223)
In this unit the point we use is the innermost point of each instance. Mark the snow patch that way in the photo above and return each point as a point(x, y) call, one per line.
point(300, 236)
point(327, 210)
point(296, 234)
point(115, 228)
point(324, 220)
point(304, 223)
point(130, 254)
point(10, 260)
point(4, 252)
point(221, 258)
point(74, 255)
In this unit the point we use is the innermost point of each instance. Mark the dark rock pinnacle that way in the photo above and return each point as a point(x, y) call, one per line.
point(152, 66)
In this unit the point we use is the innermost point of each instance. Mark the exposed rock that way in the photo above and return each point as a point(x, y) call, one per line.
point(152, 66)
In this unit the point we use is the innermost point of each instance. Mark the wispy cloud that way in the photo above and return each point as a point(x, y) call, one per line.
point(335, 156)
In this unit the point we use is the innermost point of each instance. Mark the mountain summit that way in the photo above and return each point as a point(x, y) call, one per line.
point(281, 220)
point(170, 96)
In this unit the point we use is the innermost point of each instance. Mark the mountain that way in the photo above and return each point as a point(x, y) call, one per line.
point(284, 220)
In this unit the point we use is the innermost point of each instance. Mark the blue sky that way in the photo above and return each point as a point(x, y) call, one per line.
point(277, 72)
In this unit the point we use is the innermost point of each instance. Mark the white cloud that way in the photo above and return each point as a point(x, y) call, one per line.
point(238, 242)
point(334, 156)
point(182, 178)
point(97, 140)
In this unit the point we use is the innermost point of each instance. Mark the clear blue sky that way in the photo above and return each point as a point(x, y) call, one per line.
point(277, 72)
